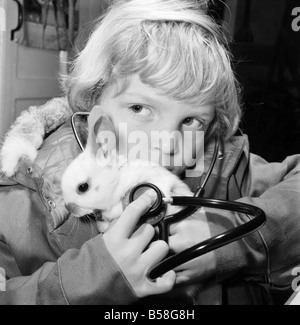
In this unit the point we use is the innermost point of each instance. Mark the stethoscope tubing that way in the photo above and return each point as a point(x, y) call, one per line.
point(214, 242)
point(74, 127)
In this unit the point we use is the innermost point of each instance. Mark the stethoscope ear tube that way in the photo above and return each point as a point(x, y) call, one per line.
point(215, 242)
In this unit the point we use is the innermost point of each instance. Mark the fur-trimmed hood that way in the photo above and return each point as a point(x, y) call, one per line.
point(27, 133)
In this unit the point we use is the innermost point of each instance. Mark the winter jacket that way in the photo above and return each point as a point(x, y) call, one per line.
point(50, 257)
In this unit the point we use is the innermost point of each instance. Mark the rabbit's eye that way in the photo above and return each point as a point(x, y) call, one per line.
point(82, 188)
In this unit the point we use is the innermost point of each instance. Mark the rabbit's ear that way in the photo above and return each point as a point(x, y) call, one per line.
point(102, 138)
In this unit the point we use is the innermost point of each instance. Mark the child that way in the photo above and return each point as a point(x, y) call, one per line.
point(156, 65)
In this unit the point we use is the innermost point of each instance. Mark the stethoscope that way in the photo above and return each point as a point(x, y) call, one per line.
point(156, 215)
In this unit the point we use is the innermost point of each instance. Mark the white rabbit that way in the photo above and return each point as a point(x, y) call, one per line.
point(98, 179)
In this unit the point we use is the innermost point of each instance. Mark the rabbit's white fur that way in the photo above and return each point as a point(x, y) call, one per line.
point(108, 184)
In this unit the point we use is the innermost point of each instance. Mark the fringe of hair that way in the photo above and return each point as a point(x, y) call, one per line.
point(172, 44)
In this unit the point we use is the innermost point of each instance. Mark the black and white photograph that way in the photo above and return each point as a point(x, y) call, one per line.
point(150, 155)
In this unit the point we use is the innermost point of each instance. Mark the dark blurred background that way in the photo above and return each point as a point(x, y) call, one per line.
point(266, 48)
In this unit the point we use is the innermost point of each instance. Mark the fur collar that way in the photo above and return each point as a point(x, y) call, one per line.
point(27, 133)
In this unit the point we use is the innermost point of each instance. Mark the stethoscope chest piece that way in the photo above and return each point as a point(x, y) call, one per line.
point(157, 211)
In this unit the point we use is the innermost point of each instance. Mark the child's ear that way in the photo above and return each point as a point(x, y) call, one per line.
point(102, 138)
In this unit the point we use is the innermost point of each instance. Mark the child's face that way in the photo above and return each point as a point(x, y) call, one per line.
point(141, 112)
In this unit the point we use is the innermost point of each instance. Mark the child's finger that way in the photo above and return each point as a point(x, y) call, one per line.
point(175, 244)
point(182, 277)
point(142, 236)
point(164, 283)
point(133, 212)
point(154, 254)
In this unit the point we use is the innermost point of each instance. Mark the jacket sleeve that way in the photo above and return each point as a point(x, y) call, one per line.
point(85, 276)
point(270, 254)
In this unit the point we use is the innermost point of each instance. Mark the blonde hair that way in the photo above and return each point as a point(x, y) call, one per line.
point(172, 44)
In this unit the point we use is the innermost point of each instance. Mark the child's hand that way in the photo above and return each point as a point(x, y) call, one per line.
point(128, 249)
point(185, 234)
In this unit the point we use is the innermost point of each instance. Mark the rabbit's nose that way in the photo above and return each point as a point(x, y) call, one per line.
point(98, 215)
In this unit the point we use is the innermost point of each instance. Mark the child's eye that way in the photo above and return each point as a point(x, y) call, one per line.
point(140, 110)
point(192, 123)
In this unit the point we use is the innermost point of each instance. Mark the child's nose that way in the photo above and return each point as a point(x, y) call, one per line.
point(167, 143)
point(169, 147)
